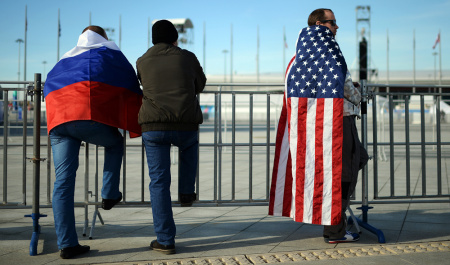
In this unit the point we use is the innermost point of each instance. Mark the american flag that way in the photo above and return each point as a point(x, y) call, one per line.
point(306, 179)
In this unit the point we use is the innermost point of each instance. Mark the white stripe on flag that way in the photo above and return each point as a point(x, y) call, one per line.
point(310, 162)
point(327, 161)
point(293, 123)
point(281, 175)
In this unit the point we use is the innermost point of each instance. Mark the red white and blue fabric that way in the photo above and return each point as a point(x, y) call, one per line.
point(94, 81)
point(306, 178)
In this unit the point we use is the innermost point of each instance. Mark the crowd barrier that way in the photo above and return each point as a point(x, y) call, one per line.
point(237, 142)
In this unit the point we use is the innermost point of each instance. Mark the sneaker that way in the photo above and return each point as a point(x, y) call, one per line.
point(165, 249)
point(349, 237)
point(186, 200)
point(107, 204)
point(70, 252)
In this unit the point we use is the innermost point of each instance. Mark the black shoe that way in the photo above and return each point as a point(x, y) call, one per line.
point(107, 204)
point(70, 252)
point(165, 249)
point(186, 200)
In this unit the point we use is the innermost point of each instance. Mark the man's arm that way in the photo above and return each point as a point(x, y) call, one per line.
point(200, 80)
point(351, 92)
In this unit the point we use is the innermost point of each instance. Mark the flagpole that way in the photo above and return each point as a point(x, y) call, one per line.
point(284, 50)
point(25, 48)
point(414, 60)
point(231, 55)
point(120, 32)
point(90, 18)
point(440, 62)
point(148, 33)
point(59, 35)
point(387, 59)
point(204, 46)
point(257, 54)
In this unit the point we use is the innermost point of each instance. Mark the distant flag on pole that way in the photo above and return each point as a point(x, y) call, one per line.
point(97, 82)
point(438, 40)
point(307, 168)
point(285, 42)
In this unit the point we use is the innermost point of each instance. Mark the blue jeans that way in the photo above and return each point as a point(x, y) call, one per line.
point(66, 141)
point(157, 147)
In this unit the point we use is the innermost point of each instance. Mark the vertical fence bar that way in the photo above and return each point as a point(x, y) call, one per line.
point(233, 147)
point(216, 128)
point(5, 147)
point(268, 147)
point(391, 144)
point(408, 148)
point(438, 139)
point(143, 172)
point(86, 187)
point(422, 144)
point(250, 149)
point(219, 176)
point(375, 145)
point(24, 147)
point(124, 166)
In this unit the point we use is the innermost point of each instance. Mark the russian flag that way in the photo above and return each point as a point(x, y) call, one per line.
point(94, 81)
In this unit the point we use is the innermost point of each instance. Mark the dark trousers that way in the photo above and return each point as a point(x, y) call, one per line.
point(350, 168)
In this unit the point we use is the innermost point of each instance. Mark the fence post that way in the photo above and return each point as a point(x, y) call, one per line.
point(35, 215)
point(365, 175)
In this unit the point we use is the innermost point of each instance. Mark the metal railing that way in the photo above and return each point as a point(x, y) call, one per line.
point(239, 133)
point(411, 144)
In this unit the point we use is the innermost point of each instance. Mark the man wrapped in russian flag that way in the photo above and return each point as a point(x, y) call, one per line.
point(90, 93)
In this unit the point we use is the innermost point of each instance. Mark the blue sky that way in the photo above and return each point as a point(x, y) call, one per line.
point(399, 18)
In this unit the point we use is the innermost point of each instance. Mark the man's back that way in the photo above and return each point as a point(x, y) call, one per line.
point(171, 78)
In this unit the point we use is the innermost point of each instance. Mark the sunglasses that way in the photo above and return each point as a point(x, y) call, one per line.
point(332, 22)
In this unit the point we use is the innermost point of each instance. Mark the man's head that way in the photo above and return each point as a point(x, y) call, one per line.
point(98, 30)
point(324, 17)
point(164, 31)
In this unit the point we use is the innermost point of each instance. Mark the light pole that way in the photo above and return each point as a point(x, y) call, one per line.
point(435, 53)
point(44, 63)
point(225, 65)
point(18, 72)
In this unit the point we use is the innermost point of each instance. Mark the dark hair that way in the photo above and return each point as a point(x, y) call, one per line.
point(98, 30)
point(317, 15)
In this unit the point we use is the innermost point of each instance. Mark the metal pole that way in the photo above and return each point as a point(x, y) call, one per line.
point(250, 147)
point(5, 147)
point(24, 147)
point(37, 142)
point(440, 61)
point(231, 55)
point(35, 215)
point(365, 174)
point(25, 49)
point(59, 35)
point(233, 146)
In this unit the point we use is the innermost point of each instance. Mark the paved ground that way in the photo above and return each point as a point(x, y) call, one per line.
point(415, 233)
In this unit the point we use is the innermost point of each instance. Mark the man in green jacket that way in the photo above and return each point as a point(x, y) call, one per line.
point(170, 115)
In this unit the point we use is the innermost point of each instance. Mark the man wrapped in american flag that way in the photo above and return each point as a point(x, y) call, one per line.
point(317, 154)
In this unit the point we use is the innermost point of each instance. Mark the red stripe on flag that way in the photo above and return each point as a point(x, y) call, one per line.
point(318, 175)
point(282, 123)
point(89, 100)
point(338, 108)
point(301, 158)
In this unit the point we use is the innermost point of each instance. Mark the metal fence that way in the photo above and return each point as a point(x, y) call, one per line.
point(236, 151)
